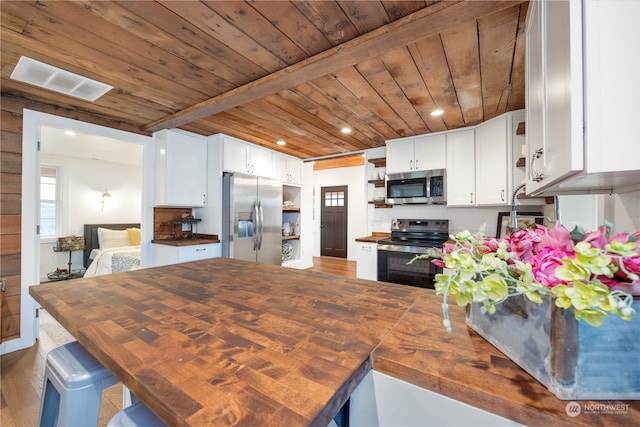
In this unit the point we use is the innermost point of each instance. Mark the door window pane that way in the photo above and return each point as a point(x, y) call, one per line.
point(334, 198)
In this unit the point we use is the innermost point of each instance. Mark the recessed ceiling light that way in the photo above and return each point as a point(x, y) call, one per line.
point(281, 142)
point(47, 76)
point(437, 112)
point(345, 130)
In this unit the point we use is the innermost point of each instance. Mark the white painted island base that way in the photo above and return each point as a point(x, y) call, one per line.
point(382, 400)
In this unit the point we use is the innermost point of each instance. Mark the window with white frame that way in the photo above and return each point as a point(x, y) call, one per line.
point(50, 204)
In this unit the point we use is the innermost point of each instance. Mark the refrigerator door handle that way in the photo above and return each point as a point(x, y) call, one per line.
point(260, 225)
point(256, 226)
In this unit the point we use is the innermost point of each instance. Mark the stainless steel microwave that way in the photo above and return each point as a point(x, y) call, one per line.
point(424, 187)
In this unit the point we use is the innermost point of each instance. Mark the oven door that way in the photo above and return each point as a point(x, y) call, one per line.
point(394, 267)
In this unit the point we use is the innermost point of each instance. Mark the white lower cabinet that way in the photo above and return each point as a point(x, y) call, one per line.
point(367, 262)
point(167, 254)
point(382, 400)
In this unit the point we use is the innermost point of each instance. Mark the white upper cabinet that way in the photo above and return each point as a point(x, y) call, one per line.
point(493, 162)
point(400, 157)
point(582, 96)
point(181, 169)
point(287, 169)
point(424, 152)
point(461, 171)
point(240, 156)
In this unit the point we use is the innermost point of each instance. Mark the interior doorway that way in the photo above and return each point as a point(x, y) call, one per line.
point(333, 221)
point(30, 208)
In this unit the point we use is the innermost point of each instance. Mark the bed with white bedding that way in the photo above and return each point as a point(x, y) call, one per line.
point(111, 248)
point(114, 260)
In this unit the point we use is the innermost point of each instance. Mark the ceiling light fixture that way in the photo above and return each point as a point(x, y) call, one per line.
point(281, 142)
point(47, 76)
point(345, 130)
point(437, 112)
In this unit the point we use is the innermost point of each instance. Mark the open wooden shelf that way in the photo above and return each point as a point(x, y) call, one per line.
point(379, 163)
point(380, 204)
point(377, 183)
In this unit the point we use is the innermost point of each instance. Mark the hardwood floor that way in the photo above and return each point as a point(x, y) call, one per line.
point(339, 266)
point(22, 372)
point(22, 376)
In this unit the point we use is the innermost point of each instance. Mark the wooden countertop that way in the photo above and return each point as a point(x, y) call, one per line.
point(221, 342)
point(374, 237)
point(229, 342)
point(185, 242)
point(466, 367)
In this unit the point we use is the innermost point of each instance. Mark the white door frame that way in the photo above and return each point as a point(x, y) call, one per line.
point(30, 251)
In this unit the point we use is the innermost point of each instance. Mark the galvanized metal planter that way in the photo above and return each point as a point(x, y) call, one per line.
point(574, 360)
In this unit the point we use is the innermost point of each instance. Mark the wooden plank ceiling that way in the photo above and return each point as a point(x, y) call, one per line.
point(264, 71)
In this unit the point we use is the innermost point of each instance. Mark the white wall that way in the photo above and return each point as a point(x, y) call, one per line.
point(480, 220)
point(306, 217)
point(353, 178)
point(365, 219)
point(83, 181)
point(591, 211)
point(623, 211)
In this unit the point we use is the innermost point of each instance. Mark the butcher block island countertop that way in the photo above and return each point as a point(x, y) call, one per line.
point(228, 342)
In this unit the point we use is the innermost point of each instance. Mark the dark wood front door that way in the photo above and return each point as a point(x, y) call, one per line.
point(333, 221)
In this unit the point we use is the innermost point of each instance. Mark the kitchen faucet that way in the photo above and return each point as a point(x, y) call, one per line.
point(513, 220)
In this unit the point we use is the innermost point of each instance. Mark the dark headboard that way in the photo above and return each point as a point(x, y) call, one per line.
point(91, 237)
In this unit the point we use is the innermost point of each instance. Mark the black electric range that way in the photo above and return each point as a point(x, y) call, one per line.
point(410, 238)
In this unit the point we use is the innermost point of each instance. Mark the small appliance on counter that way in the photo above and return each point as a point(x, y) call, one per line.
point(188, 225)
point(409, 238)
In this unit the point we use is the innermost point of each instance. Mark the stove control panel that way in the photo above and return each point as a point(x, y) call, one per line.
point(420, 225)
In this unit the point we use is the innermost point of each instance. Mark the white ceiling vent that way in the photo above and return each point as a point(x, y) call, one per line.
point(49, 77)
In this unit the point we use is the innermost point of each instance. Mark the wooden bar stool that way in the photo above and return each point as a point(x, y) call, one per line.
point(136, 415)
point(72, 390)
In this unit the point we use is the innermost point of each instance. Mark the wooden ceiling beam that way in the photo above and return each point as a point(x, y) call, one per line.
point(421, 24)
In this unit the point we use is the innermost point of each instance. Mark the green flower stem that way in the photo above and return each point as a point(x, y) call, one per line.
point(445, 307)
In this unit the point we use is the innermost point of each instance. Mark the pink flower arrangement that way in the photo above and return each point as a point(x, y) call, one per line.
point(594, 273)
point(546, 249)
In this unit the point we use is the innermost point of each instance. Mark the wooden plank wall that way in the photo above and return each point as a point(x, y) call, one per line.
point(338, 162)
point(11, 108)
point(10, 216)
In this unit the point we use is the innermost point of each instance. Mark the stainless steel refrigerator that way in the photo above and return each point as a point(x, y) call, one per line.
point(252, 218)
